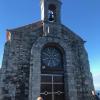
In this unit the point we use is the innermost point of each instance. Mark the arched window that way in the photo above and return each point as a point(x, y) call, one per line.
point(52, 77)
point(52, 13)
point(51, 59)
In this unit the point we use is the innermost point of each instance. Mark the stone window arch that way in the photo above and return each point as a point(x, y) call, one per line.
point(52, 58)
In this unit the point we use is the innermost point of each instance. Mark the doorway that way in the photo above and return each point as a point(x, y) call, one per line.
point(52, 86)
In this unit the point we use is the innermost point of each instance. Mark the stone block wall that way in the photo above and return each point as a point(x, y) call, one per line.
point(20, 72)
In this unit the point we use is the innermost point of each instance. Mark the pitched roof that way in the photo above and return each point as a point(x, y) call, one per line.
point(32, 26)
point(37, 25)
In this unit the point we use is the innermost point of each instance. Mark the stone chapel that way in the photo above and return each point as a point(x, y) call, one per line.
point(45, 59)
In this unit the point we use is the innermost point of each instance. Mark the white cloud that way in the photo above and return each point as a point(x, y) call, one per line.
point(96, 78)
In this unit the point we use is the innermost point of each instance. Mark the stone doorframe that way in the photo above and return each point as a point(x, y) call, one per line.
point(35, 68)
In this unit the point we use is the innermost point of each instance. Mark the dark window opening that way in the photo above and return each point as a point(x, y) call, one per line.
point(52, 13)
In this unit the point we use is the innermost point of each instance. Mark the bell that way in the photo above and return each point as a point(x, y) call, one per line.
point(51, 17)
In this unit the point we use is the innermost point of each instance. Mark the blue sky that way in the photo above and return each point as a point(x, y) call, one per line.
point(81, 16)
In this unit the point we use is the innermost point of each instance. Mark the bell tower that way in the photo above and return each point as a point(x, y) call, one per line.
point(50, 11)
point(51, 16)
